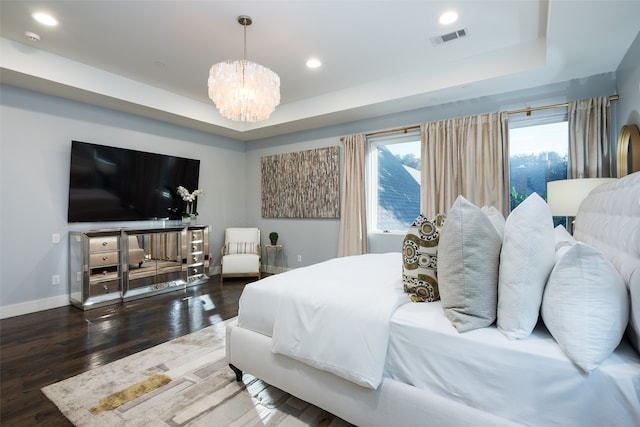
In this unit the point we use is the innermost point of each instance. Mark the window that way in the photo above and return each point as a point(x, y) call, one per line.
point(537, 155)
point(394, 182)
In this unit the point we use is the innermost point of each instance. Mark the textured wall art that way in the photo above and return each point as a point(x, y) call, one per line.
point(305, 184)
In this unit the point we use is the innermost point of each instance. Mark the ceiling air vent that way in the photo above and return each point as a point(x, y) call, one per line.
point(449, 37)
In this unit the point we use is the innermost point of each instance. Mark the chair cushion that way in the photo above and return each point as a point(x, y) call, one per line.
point(232, 248)
point(240, 263)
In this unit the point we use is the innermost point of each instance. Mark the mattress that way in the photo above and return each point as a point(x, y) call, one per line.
point(485, 370)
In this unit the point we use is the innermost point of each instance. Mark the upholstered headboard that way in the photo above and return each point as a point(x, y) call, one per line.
point(609, 220)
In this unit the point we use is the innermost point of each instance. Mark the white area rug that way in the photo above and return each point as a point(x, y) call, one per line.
point(202, 391)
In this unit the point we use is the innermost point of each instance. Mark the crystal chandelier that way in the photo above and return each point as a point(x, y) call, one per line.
point(243, 90)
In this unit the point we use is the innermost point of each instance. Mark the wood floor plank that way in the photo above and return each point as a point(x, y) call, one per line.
point(42, 348)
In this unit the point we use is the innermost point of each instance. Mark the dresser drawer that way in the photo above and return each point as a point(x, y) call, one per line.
point(105, 287)
point(195, 270)
point(195, 247)
point(97, 244)
point(104, 259)
point(196, 235)
point(195, 258)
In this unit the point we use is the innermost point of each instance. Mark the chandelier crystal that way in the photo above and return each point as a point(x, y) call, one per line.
point(243, 90)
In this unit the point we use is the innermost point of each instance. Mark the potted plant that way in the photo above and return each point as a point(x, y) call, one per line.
point(273, 236)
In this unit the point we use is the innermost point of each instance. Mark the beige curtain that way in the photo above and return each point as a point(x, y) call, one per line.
point(465, 156)
point(353, 207)
point(589, 127)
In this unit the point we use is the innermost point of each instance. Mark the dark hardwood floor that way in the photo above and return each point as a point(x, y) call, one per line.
point(46, 347)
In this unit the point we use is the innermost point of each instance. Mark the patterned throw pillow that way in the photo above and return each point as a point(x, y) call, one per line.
point(232, 248)
point(420, 259)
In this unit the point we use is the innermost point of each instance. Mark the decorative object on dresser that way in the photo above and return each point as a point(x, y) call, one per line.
point(114, 265)
point(240, 255)
point(189, 215)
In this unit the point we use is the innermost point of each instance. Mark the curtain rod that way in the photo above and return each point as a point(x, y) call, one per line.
point(527, 110)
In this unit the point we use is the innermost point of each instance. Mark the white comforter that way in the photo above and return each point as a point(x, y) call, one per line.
point(346, 336)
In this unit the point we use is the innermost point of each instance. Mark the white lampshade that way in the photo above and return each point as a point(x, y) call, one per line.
point(564, 196)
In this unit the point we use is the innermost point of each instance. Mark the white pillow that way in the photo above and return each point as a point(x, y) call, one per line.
point(468, 260)
point(495, 217)
point(563, 240)
point(527, 257)
point(585, 306)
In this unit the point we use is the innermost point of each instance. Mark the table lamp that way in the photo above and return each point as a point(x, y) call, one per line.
point(565, 196)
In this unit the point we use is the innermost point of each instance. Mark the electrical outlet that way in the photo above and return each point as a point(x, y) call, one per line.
point(299, 258)
point(55, 279)
point(78, 276)
point(55, 238)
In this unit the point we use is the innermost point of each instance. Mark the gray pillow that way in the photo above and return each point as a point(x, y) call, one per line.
point(468, 263)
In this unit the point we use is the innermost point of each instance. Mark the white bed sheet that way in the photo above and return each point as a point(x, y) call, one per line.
point(337, 306)
point(529, 381)
point(258, 302)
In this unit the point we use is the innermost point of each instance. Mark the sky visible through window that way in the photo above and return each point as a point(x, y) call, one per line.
point(539, 139)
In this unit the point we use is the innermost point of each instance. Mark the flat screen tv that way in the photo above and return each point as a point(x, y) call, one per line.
point(118, 184)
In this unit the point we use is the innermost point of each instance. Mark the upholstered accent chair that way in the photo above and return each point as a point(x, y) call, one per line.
point(240, 255)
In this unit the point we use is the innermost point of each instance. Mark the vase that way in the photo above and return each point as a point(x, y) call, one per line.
point(186, 220)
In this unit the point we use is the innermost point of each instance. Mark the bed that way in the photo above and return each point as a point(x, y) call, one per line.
point(374, 358)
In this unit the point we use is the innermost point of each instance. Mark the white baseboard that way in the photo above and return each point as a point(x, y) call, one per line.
point(33, 306)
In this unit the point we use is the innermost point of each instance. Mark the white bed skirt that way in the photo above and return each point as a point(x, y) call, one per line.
point(392, 403)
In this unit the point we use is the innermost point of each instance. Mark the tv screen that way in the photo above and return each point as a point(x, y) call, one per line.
point(118, 184)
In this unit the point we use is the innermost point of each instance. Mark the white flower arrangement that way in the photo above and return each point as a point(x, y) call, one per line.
point(189, 198)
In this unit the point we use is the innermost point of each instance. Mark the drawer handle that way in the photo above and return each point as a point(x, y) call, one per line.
point(193, 236)
point(195, 271)
point(193, 248)
point(195, 258)
point(104, 258)
point(106, 288)
point(104, 272)
point(104, 243)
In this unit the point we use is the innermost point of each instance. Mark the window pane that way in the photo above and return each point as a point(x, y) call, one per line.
point(396, 203)
point(537, 155)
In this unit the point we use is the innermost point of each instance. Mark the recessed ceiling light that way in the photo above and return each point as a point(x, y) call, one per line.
point(45, 18)
point(314, 63)
point(448, 17)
